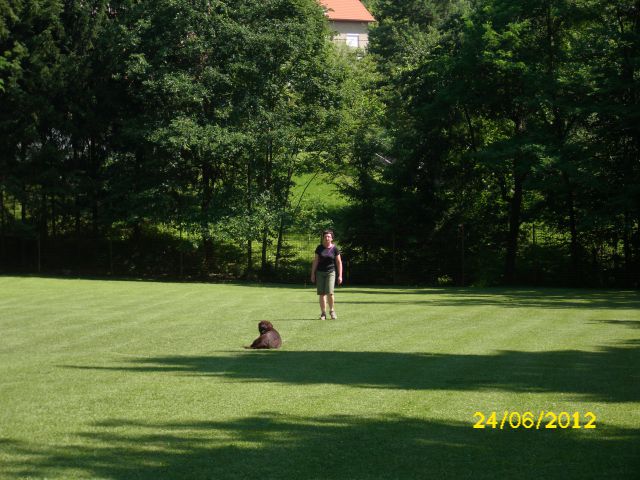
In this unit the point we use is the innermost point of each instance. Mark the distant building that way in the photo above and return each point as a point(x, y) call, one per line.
point(349, 19)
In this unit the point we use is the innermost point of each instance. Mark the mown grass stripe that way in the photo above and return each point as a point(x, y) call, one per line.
point(118, 379)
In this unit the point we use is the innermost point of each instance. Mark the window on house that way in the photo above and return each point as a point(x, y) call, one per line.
point(353, 40)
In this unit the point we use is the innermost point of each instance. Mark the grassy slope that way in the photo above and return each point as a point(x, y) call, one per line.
point(319, 190)
point(114, 379)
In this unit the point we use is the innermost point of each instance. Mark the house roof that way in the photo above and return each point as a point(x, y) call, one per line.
point(347, 10)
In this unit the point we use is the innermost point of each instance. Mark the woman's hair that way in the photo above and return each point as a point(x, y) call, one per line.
point(328, 230)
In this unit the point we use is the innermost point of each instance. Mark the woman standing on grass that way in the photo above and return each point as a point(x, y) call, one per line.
point(326, 262)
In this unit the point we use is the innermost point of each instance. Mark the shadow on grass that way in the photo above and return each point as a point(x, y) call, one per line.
point(622, 323)
point(273, 446)
point(611, 374)
point(511, 298)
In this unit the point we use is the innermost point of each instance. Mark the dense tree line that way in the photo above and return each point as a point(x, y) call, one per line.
point(120, 116)
point(504, 116)
point(479, 141)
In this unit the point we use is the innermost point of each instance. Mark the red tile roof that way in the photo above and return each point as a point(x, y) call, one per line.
point(347, 10)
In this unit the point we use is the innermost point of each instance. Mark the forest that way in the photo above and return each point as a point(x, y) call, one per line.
point(477, 142)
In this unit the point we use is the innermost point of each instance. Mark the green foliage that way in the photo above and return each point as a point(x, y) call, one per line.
point(464, 121)
point(496, 112)
point(140, 113)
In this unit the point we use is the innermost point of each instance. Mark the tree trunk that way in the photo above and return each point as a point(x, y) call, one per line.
point(267, 188)
point(249, 211)
point(515, 206)
point(93, 165)
point(110, 255)
point(279, 244)
point(43, 220)
point(207, 248)
point(23, 218)
point(180, 255)
point(635, 266)
point(282, 216)
point(574, 249)
point(2, 227)
point(207, 196)
point(76, 196)
point(626, 243)
point(265, 239)
point(23, 205)
point(54, 225)
point(514, 229)
point(249, 256)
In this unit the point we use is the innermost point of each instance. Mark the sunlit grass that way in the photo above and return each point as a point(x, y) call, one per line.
point(317, 189)
point(126, 379)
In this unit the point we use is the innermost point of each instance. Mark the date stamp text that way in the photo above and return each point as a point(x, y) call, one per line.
point(530, 420)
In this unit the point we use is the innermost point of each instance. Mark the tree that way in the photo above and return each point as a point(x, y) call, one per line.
point(219, 90)
point(485, 99)
point(614, 126)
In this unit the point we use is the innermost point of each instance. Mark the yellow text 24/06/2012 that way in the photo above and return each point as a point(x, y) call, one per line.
point(529, 420)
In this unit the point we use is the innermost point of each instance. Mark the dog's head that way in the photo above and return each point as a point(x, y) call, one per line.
point(264, 326)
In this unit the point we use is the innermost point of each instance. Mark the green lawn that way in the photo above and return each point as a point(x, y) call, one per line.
point(126, 379)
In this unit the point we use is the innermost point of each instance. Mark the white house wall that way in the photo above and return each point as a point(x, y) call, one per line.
point(343, 29)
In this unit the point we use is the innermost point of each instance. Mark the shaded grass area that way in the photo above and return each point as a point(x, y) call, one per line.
point(336, 447)
point(122, 379)
point(608, 371)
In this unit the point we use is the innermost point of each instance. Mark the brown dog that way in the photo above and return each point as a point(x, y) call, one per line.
point(269, 336)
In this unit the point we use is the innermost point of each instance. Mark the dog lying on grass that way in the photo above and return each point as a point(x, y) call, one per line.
point(269, 336)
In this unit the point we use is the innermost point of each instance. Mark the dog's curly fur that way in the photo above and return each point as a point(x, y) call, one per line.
point(269, 336)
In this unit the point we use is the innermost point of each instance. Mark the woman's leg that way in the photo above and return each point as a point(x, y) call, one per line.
point(322, 300)
point(331, 282)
